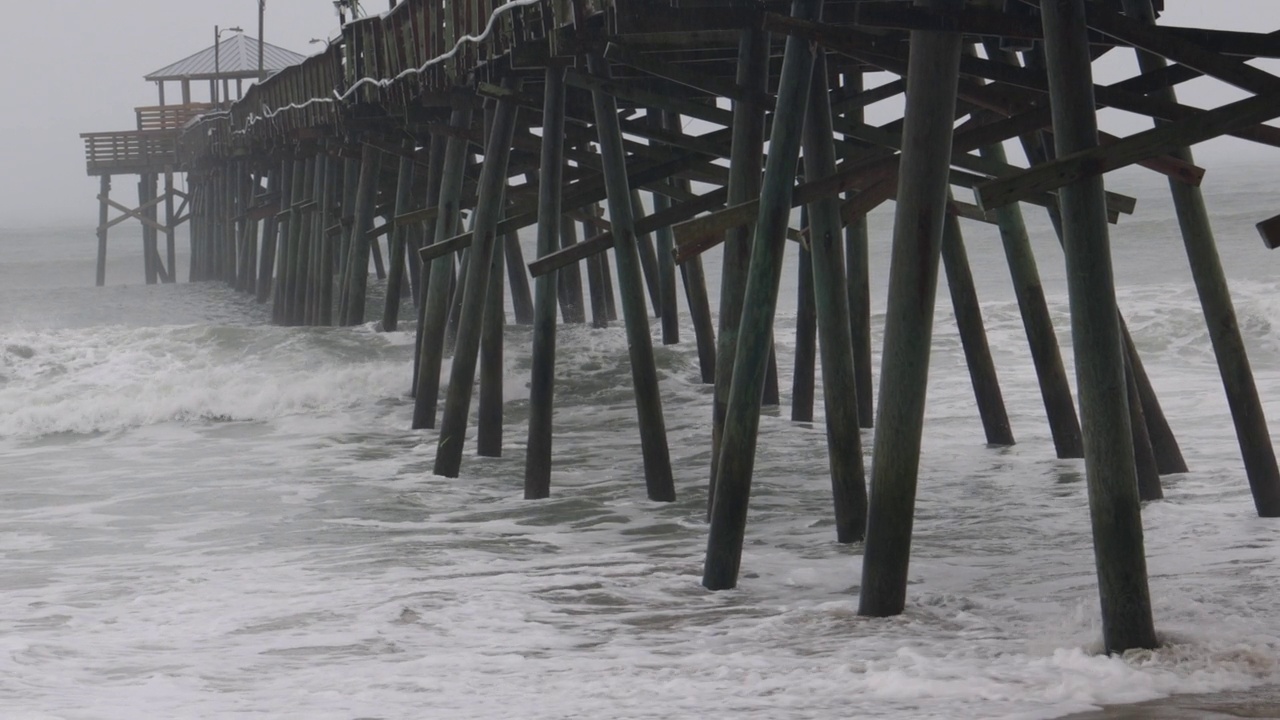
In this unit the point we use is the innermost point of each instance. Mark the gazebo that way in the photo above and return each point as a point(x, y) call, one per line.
point(239, 57)
point(150, 150)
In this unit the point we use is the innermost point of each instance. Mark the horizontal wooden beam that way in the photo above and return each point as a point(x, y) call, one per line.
point(1104, 158)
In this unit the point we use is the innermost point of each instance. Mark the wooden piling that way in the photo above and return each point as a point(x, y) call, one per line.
point(857, 273)
point(170, 224)
point(745, 158)
point(831, 302)
point(435, 176)
point(917, 238)
point(572, 306)
point(537, 464)
point(1055, 388)
point(267, 250)
point(328, 240)
point(396, 249)
point(441, 276)
point(1108, 443)
point(104, 194)
point(489, 205)
point(803, 366)
point(518, 279)
point(489, 410)
point(644, 374)
point(596, 268)
point(1219, 313)
point(973, 335)
point(359, 250)
point(759, 301)
point(665, 242)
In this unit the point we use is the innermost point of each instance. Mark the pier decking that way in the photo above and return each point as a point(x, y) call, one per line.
point(365, 152)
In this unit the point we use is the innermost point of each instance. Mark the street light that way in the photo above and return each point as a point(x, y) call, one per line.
point(262, 11)
point(217, 56)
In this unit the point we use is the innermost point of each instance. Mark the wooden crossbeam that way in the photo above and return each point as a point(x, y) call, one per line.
point(861, 173)
point(709, 84)
point(995, 23)
point(648, 98)
point(649, 223)
point(581, 193)
point(1160, 41)
point(996, 98)
point(134, 212)
point(1104, 158)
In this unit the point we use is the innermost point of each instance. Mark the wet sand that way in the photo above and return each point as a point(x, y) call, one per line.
point(1255, 703)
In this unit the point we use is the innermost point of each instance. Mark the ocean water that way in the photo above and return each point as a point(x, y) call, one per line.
point(204, 516)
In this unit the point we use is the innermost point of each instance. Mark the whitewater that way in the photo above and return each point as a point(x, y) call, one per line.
point(206, 516)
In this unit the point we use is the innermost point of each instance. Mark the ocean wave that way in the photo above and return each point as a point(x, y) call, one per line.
point(113, 378)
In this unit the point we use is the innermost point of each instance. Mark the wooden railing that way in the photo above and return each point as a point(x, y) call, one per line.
point(130, 151)
point(169, 117)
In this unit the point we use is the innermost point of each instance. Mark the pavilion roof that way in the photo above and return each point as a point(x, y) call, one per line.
point(237, 57)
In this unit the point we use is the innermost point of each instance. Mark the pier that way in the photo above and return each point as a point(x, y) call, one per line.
point(424, 139)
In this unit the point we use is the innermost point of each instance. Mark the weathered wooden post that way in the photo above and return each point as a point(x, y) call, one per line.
point(435, 176)
point(596, 268)
point(441, 277)
point(490, 201)
point(913, 281)
point(328, 240)
point(1108, 444)
point(270, 229)
point(746, 155)
point(518, 277)
point(302, 251)
point(1055, 388)
point(665, 242)
point(104, 208)
point(754, 340)
point(357, 278)
point(831, 301)
point(973, 335)
point(695, 293)
point(171, 250)
point(537, 463)
point(648, 258)
point(857, 265)
point(291, 250)
point(572, 306)
point(493, 323)
point(802, 375)
point(396, 249)
point(289, 177)
point(644, 374)
point(1219, 313)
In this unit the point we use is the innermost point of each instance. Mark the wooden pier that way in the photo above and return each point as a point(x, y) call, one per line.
point(365, 152)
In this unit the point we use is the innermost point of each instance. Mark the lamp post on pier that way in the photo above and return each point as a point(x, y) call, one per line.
point(262, 11)
point(217, 57)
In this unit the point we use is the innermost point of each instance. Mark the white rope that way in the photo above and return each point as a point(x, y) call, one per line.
point(267, 114)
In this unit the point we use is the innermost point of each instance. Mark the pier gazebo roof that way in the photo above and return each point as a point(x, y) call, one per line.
point(238, 58)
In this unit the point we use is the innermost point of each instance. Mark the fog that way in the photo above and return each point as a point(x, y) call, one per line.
point(73, 66)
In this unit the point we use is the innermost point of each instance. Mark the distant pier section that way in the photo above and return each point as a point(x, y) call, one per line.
point(150, 150)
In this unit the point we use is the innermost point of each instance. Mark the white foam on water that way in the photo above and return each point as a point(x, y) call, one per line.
point(221, 520)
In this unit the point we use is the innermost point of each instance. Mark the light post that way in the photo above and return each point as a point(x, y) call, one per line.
point(217, 57)
point(262, 11)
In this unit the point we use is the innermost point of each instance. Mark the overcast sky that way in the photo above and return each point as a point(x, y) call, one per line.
point(73, 66)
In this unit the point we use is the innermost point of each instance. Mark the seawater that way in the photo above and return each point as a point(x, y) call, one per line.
point(205, 516)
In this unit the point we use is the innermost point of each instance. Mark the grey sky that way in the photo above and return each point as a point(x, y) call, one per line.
point(75, 66)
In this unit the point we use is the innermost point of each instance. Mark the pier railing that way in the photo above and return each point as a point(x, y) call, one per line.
point(421, 48)
point(129, 151)
point(169, 117)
